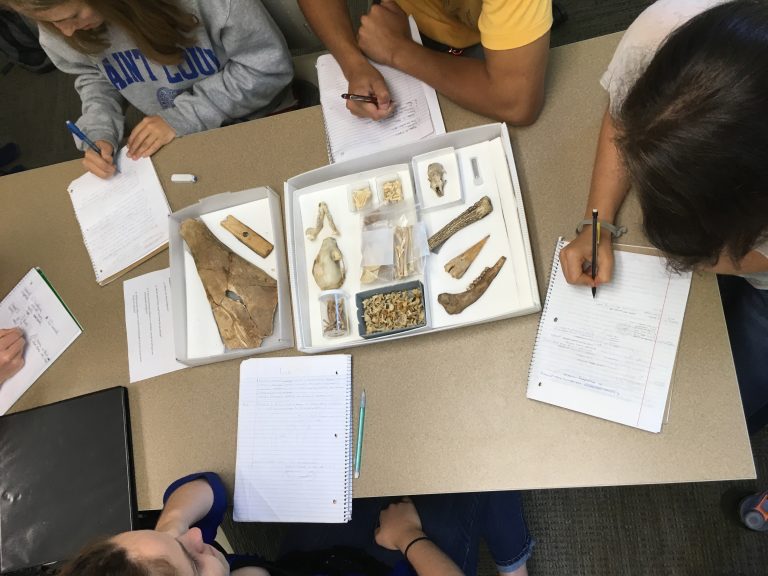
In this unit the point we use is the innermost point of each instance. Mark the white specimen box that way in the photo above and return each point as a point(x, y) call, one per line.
point(513, 292)
point(196, 335)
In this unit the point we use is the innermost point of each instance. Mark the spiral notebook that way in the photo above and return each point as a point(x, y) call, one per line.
point(294, 440)
point(611, 356)
point(124, 220)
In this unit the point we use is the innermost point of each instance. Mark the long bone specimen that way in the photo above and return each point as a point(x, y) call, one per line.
point(457, 266)
point(322, 214)
point(477, 211)
point(242, 296)
point(457, 303)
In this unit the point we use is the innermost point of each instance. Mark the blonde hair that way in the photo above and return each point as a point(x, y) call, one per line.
point(160, 28)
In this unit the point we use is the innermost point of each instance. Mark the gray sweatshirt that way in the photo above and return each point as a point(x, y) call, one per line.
point(238, 67)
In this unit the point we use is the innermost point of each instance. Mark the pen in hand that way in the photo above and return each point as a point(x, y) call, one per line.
point(361, 98)
point(72, 127)
point(595, 242)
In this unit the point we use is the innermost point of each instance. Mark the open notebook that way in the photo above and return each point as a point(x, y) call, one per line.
point(611, 356)
point(124, 220)
point(294, 440)
point(48, 325)
point(417, 112)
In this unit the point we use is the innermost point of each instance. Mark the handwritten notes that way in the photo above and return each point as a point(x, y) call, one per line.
point(611, 356)
point(49, 328)
point(417, 112)
point(294, 429)
point(124, 220)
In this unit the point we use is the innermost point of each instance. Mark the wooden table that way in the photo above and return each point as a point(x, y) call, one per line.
point(446, 412)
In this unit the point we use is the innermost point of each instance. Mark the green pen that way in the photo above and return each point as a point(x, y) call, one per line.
point(360, 428)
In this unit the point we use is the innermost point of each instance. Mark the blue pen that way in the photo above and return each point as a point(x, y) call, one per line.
point(72, 127)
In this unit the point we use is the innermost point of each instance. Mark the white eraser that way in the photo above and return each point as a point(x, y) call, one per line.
point(189, 178)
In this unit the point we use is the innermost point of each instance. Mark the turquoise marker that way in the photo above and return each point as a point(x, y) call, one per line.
point(360, 428)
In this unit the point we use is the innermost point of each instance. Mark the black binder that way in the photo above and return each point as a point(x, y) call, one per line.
point(66, 478)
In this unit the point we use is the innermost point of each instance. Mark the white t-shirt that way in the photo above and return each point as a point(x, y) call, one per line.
point(636, 50)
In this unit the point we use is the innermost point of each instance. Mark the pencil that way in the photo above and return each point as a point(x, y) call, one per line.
point(595, 233)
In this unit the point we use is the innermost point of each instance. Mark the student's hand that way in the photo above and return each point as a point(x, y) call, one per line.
point(103, 166)
point(384, 32)
point(11, 352)
point(399, 524)
point(575, 259)
point(151, 134)
point(364, 79)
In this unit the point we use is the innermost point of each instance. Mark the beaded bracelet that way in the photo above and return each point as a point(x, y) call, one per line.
point(405, 553)
point(615, 231)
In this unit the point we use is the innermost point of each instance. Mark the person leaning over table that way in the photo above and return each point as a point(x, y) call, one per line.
point(11, 352)
point(188, 65)
point(687, 128)
point(182, 543)
point(511, 38)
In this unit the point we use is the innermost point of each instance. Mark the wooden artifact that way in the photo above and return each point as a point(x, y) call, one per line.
point(457, 266)
point(247, 236)
point(328, 268)
point(457, 303)
point(477, 211)
point(242, 296)
point(323, 214)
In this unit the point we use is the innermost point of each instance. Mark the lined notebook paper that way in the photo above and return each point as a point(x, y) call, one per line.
point(611, 356)
point(48, 325)
point(294, 440)
point(417, 112)
point(124, 220)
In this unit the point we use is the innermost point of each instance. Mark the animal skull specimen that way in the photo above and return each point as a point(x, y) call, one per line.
point(328, 269)
point(436, 177)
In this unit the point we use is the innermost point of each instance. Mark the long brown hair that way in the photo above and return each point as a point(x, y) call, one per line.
point(160, 28)
point(107, 558)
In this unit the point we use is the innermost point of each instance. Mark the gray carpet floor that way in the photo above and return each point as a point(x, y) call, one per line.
point(675, 530)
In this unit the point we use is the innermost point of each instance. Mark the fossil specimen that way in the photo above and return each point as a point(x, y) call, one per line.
point(392, 191)
point(457, 303)
point(335, 322)
point(477, 211)
point(242, 296)
point(328, 269)
point(395, 310)
point(247, 236)
point(369, 274)
point(436, 177)
point(360, 197)
point(404, 265)
point(322, 214)
point(457, 266)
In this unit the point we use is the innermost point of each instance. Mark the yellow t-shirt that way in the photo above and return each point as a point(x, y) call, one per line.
point(497, 24)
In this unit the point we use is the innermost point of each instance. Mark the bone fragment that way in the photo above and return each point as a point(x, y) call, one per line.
point(477, 211)
point(436, 177)
point(322, 214)
point(328, 269)
point(369, 274)
point(403, 252)
point(457, 303)
point(242, 296)
point(457, 266)
point(247, 236)
point(361, 196)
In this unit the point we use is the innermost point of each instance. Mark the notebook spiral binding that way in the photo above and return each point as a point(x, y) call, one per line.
point(545, 307)
point(348, 447)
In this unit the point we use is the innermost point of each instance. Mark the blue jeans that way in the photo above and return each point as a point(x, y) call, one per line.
point(746, 315)
point(454, 522)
